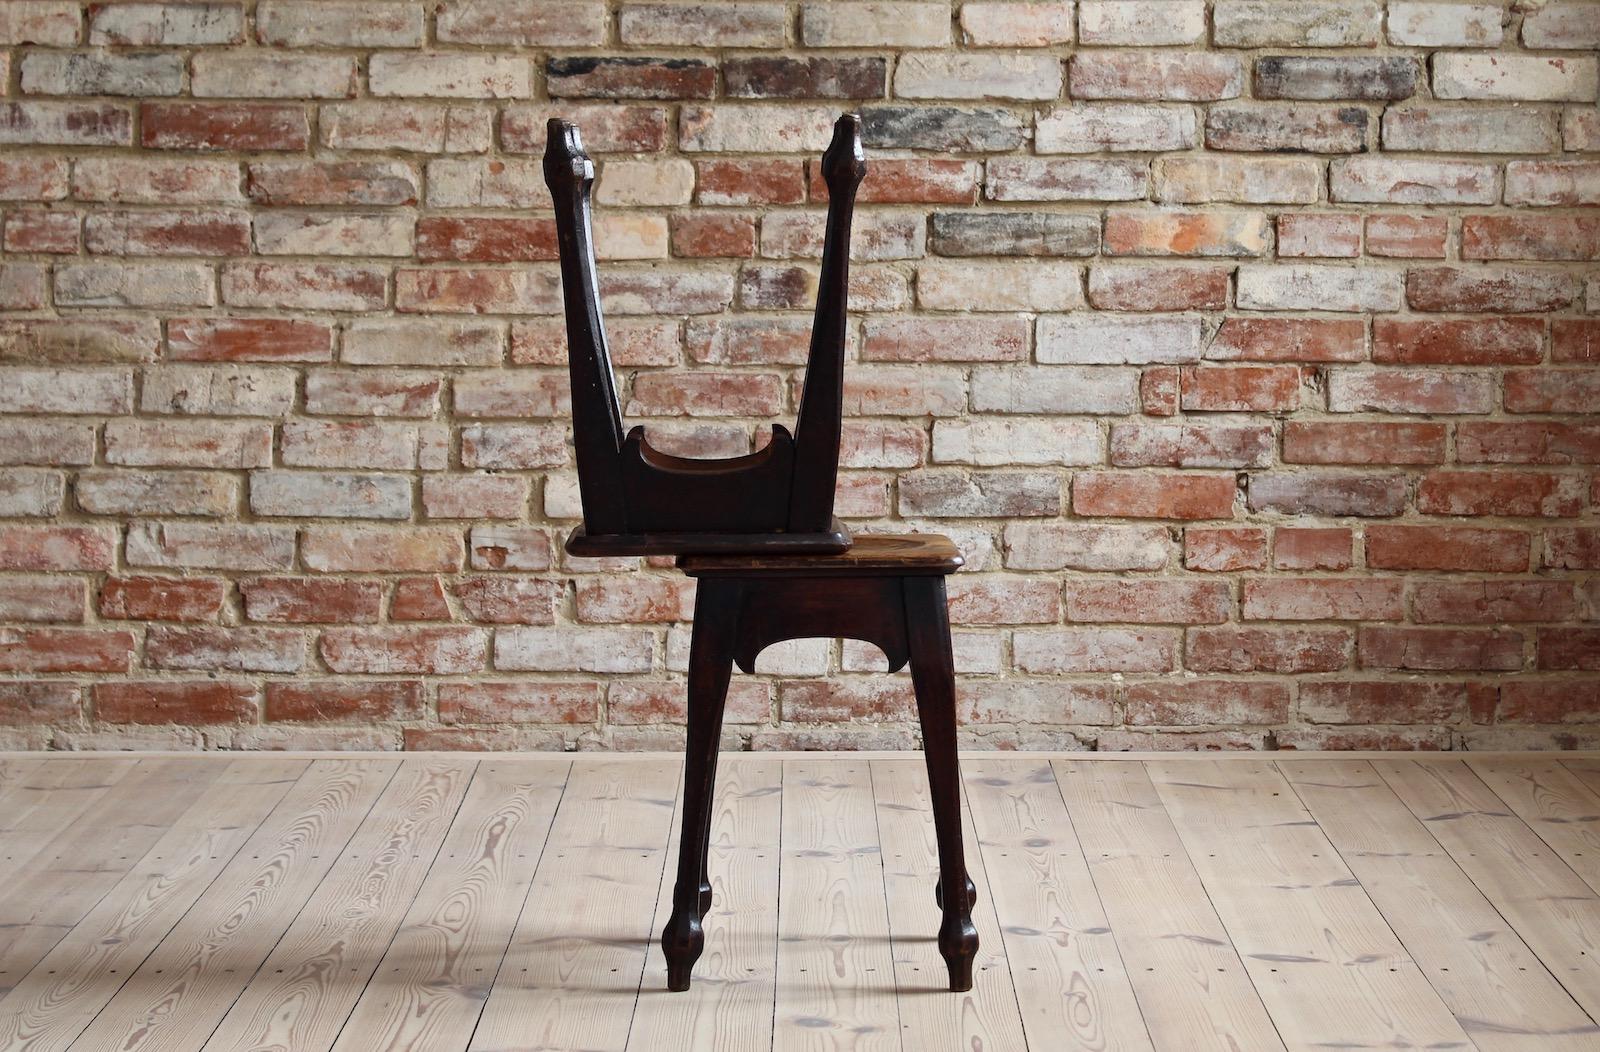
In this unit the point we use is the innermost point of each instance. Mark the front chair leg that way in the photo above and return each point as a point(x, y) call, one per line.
point(716, 612)
point(934, 679)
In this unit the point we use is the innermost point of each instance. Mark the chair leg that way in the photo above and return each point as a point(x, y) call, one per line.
point(716, 612)
point(933, 676)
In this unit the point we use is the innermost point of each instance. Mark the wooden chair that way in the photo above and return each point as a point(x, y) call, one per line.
point(758, 533)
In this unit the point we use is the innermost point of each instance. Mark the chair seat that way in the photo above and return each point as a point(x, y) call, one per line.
point(901, 554)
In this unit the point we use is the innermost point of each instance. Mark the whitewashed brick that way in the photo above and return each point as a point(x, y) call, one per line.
point(1101, 339)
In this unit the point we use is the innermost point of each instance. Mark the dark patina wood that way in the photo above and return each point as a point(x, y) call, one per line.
point(640, 501)
point(888, 591)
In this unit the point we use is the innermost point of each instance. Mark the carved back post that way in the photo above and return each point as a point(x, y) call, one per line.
point(596, 413)
point(817, 429)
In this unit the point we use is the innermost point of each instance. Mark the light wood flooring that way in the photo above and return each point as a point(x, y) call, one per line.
point(444, 903)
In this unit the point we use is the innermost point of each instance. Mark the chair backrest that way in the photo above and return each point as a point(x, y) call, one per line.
point(638, 500)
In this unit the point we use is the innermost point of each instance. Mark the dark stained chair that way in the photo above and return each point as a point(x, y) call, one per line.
point(758, 534)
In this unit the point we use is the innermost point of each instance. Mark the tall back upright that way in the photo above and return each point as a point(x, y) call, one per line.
point(638, 500)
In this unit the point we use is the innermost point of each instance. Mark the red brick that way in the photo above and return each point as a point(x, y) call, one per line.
point(1182, 445)
point(345, 700)
point(205, 701)
point(1322, 599)
point(1492, 602)
point(1289, 340)
point(492, 702)
point(1369, 442)
point(1407, 237)
point(957, 494)
point(509, 600)
point(630, 77)
point(1447, 548)
point(1206, 701)
point(607, 128)
point(1281, 650)
point(33, 179)
point(248, 340)
point(331, 183)
point(57, 547)
point(707, 236)
point(1439, 649)
point(1153, 495)
point(706, 394)
point(1327, 493)
point(1149, 602)
point(150, 598)
point(223, 126)
point(1528, 443)
point(1172, 233)
point(311, 600)
point(906, 181)
point(1552, 391)
point(749, 182)
point(1158, 390)
point(438, 650)
point(634, 599)
point(1221, 550)
point(485, 239)
point(65, 650)
point(419, 599)
point(1448, 492)
point(1569, 647)
point(1572, 548)
point(175, 233)
point(634, 702)
point(1240, 388)
point(944, 339)
point(1116, 286)
point(36, 230)
point(1573, 237)
point(1311, 548)
point(1478, 341)
point(1574, 340)
point(1549, 700)
point(1510, 290)
point(1384, 701)
point(1003, 600)
point(837, 701)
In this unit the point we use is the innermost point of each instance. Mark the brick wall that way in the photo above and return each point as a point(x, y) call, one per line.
point(1247, 349)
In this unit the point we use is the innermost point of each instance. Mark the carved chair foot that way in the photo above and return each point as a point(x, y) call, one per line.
point(938, 893)
point(682, 942)
point(958, 945)
point(705, 899)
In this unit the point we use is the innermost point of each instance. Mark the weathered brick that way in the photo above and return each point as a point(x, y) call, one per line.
point(754, 25)
point(1152, 495)
point(1054, 389)
point(45, 22)
point(414, 127)
point(1382, 701)
point(540, 23)
point(586, 649)
point(1322, 598)
point(1241, 180)
point(1552, 391)
point(44, 441)
point(166, 25)
point(1171, 233)
point(1436, 649)
point(1409, 391)
point(1296, 23)
point(1206, 701)
point(1093, 127)
point(339, 23)
point(457, 75)
point(1384, 78)
point(1489, 289)
point(1327, 494)
point(1097, 650)
point(1413, 237)
point(1016, 24)
point(1426, 24)
point(372, 392)
point(990, 443)
point(1141, 23)
point(1485, 341)
point(744, 129)
point(948, 129)
point(218, 546)
point(977, 75)
point(1410, 182)
point(101, 73)
point(268, 75)
point(1469, 129)
point(1013, 234)
point(1506, 76)
point(880, 23)
point(1527, 443)
point(1319, 235)
point(1318, 442)
point(438, 650)
point(1311, 548)
point(1277, 650)
point(1447, 548)
point(189, 443)
point(223, 126)
point(329, 494)
point(33, 123)
point(1149, 601)
point(994, 494)
point(36, 230)
point(1221, 550)
point(206, 701)
point(497, 702)
point(42, 598)
point(211, 494)
point(945, 339)
point(1188, 77)
point(945, 285)
point(1313, 287)
point(812, 77)
point(1190, 445)
point(160, 598)
point(1530, 237)
point(1286, 127)
point(248, 339)
point(416, 549)
point(607, 128)
point(359, 700)
point(1042, 179)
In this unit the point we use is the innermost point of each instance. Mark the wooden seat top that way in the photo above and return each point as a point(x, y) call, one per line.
point(904, 554)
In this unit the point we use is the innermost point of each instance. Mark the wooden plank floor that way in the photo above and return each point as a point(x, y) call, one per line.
point(508, 903)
